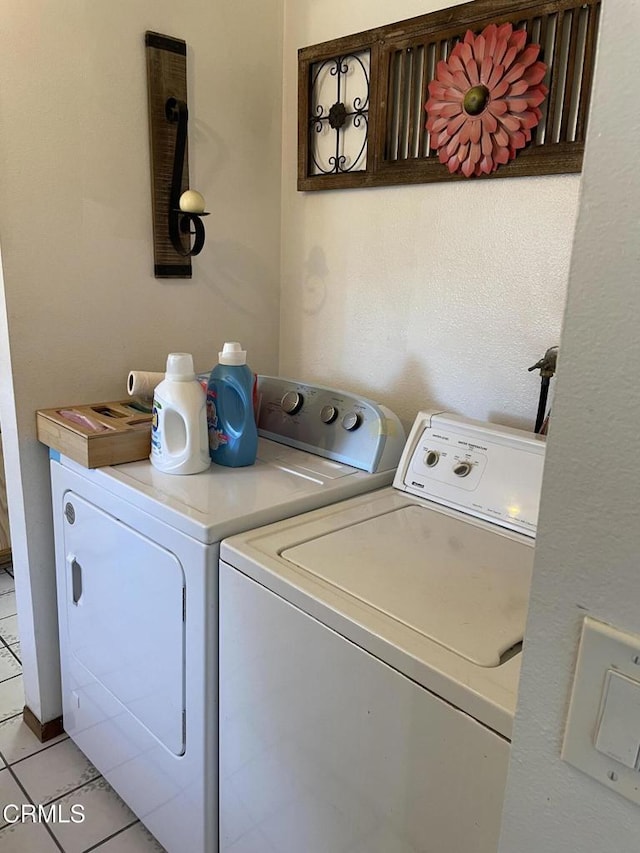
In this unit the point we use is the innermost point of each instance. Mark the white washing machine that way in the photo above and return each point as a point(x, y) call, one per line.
point(370, 654)
point(137, 575)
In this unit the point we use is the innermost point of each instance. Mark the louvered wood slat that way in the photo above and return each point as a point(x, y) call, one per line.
point(587, 71)
point(540, 133)
point(570, 75)
point(556, 77)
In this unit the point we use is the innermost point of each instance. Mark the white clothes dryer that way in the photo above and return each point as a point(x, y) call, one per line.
point(370, 655)
point(137, 576)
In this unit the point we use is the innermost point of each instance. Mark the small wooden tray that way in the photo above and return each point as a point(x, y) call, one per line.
point(127, 436)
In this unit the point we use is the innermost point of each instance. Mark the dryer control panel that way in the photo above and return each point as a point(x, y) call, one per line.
point(329, 423)
point(488, 471)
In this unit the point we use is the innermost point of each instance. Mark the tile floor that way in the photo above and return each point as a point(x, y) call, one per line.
point(56, 774)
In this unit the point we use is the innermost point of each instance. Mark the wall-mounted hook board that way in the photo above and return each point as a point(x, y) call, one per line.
point(166, 78)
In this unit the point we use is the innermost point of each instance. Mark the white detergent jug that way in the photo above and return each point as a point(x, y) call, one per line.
point(179, 435)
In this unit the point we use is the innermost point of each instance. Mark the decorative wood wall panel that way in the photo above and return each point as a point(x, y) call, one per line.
point(401, 60)
point(166, 78)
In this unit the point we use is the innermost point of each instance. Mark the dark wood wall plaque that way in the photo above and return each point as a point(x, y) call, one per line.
point(380, 79)
point(166, 78)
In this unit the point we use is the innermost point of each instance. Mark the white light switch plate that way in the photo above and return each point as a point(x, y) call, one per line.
point(618, 733)
point(602, 649)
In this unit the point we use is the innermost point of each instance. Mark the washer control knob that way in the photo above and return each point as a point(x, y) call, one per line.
point(292, 402)
point(351, 421)
point(431, 458)
point(462, 469)
point(328, 414)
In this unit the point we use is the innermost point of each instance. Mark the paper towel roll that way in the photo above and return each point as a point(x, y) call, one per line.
point(142, 383)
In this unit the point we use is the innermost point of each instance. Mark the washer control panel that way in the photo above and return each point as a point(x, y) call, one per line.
point(330, 423)
point(485, 470)
point(441, 461)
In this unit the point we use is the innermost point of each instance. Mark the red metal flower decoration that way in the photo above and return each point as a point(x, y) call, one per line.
point(484, 100)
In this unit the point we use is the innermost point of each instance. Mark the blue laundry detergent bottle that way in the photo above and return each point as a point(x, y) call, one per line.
point(233, 436)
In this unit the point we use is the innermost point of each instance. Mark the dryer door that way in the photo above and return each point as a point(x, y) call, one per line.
point(124, 615)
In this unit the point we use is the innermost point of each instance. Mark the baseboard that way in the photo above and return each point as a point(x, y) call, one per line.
point(43, 731)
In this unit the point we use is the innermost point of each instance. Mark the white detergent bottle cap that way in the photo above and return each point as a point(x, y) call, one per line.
point(232, 353)
point(180, 367)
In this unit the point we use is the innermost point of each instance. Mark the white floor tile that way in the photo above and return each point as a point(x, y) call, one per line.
point(50, 774)
point(105, 813)
point(9, 628)
point(9, 666)
point(17, 741)
point(11, 697)
point(136, 839)
point(26, 838)
point(10, 794)
point(8, 605)
point(7, 584)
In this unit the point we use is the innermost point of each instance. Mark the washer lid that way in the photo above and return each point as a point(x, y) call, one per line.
point(453, 581)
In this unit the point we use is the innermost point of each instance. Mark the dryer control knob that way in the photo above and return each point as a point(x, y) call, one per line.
point(328, 414)
point(292, 402)
point(351, 421)
point(462, 469)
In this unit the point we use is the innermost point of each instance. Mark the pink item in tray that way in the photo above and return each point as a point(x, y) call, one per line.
point(82, 420)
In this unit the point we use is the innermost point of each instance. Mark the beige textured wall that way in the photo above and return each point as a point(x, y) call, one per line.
point(428, 295)
point(82, 306)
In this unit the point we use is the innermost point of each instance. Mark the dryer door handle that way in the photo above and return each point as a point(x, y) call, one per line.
point(76, 579)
